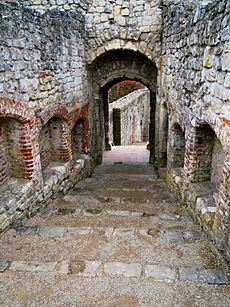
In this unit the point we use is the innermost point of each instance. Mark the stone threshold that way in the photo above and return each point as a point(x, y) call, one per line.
point(155, 200)
point(90, 212)
point(82, 190)
point(126, 233)
point(97, 268)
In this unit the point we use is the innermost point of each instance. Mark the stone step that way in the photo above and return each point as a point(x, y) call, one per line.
point(108, 198)
point(127, 169)
point(178, 247)
point(77, 210)
point(136, 195)
point(126, 179)
point(115, 206)
point(111, 218)
point(98, 268)
point(121, 183)
point(172, 236)
point(82, 189)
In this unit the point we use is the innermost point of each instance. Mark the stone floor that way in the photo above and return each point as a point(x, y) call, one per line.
point(118, 238)
point(133, 154)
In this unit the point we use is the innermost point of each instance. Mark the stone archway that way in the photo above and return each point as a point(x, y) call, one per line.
point(107, 70)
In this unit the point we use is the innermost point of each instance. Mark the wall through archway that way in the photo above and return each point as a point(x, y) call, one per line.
point(129, 113)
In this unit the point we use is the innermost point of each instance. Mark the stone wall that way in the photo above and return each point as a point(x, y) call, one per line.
point(134, 117)
point(63, 5)
point(132, 24)
point(43, 93)
point(58, 60)
point(114, 24)
point(195, 87)
point(43, 56)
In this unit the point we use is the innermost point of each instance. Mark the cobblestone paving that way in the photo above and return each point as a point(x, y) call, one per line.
point(118, 238)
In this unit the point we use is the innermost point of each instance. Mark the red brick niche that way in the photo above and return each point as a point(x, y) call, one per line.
point(204, 156)
point(18, 150)
point(63, 134)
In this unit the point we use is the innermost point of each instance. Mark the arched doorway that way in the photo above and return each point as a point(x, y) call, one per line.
point(107, 70)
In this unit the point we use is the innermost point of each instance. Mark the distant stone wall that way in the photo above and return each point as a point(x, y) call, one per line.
point(132, 124)
point(195, 86)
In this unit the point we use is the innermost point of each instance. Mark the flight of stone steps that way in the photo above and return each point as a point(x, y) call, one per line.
point(119, 238)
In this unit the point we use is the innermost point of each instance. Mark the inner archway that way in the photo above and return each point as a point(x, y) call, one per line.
point(109, 69)
point(127, 121)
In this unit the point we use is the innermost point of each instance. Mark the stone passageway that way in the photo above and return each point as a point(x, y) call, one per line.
point(119, 238)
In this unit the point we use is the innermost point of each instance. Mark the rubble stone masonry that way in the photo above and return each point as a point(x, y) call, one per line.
point(59, 58)
point(195, 87)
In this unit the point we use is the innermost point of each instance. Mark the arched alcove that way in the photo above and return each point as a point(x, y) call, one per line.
point(176, 147)
point(13, 163)
point(55, 142)
point(209, 156)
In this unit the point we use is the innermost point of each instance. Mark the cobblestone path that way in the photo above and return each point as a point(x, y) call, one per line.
point(118, 238)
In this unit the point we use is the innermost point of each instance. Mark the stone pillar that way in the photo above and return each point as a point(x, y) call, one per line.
point(104, 97)
point(151, 145)
point(4, 171)
point(85, 129)
point(221, 226)
point(64, 151)
point(29, 147)
point(117, 126)
point(163, 136)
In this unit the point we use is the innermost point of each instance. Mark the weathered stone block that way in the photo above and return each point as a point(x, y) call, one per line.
point(203, 276)
point(32, 266)
point(124, 269)
point(3, 266)
point(51, 232)
point(160, 273)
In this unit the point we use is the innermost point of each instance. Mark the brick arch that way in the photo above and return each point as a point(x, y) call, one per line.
point(55, 110)
point(18, 130)
point(16, 109)
point(219, 127)
point(55, 141)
